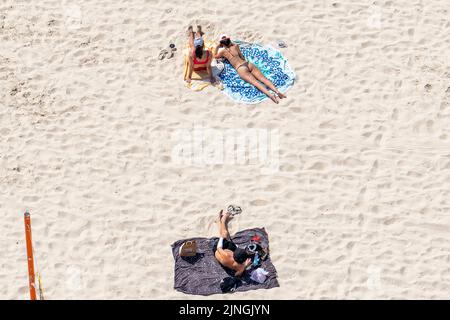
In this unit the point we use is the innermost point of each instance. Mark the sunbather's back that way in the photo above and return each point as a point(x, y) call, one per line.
point(202, 63)
point(232, 54)
point(226, 259)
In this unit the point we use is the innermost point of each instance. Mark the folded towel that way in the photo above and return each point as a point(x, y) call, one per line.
point(202, 274)
point(271, 63)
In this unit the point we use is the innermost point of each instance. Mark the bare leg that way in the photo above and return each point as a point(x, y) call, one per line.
point(199, 32)
point(223, 225)
point(247, 76)
point(193, 35)
point(258, 75)
point(190, 35)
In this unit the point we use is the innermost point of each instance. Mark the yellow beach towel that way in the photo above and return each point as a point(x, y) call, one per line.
point(198, 82)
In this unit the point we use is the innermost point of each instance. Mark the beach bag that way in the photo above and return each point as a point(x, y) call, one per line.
point(218, 66)
point(188, 249)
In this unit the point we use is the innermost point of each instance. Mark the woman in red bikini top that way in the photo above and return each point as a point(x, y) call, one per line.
point(199, 58)
point(200, 65)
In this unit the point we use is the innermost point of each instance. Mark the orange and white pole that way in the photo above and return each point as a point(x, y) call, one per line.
point(31, 280)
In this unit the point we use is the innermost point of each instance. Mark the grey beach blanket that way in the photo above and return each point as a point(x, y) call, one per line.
point(202, 274)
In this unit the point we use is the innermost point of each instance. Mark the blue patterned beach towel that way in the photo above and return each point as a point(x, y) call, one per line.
point(271, 63)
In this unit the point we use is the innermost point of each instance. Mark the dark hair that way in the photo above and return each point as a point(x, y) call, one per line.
point(240, 255)
point(199, 51)
point(225, 42)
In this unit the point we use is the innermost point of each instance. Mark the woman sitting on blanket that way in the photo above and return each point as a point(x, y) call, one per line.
point(246, 70)
point(199, 59)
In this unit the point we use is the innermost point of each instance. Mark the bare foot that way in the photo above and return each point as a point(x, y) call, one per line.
point(219, 218)
point(199, 32)
point(189, 31)
point(281, 95)
point(274, 98)
point(226, 217)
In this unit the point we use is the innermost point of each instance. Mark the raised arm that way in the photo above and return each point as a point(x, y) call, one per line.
point(216, 53)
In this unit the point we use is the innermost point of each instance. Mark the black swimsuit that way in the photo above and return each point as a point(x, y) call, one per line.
point(227, 244)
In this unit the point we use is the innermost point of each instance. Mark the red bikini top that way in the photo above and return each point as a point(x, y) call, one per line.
point(200, 62)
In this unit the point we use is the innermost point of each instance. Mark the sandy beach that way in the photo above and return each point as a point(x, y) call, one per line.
point(357, 206)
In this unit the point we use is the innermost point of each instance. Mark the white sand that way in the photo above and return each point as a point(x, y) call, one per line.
point(360, 207)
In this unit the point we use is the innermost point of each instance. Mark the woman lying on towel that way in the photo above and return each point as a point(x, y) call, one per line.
point(199, 59)
point(226, 252)
point(246, 70)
